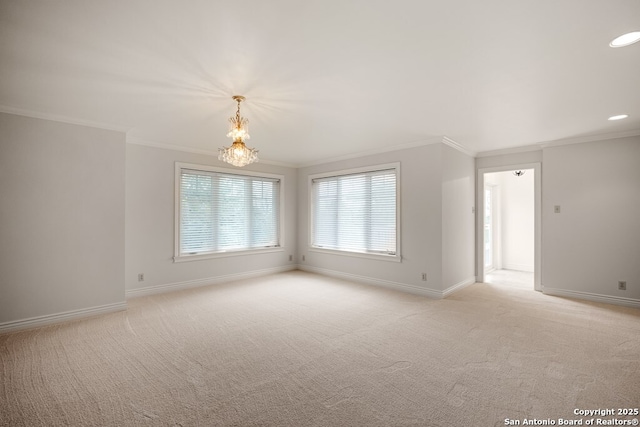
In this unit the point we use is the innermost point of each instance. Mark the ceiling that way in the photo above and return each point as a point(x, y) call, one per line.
point(326, 78)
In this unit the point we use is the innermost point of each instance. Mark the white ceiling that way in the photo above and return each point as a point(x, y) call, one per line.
point(329, 78)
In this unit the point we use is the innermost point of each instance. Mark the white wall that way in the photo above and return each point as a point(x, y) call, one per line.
point(436, 181)
point(458, 218)
point(61, 217)
point(420, 195)
point(595, 240)
point(517, 220)
point(150, 224)
point(65, 202)
point(494, 182)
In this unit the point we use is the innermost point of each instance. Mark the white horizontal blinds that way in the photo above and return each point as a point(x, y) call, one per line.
point(325, 215)
point(383, 213)
point(196, 213)
point(226, 212)
point(265, 203)
point(356, 212)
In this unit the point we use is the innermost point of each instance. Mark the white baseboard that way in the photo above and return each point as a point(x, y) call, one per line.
point(34, 322)
point(458, 286)
point(608, 299)
point(518, 267)
point(404, 287)
point(170, 287)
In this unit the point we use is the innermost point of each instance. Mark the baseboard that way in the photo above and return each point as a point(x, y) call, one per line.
point(403, 287)
point(170, 287)
point(518, 267)
point(458, 286)
point(608, 299)
point(35, 322)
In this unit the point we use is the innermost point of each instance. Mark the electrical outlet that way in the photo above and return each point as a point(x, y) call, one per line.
point(622, 285)
point(141, 277)
point(303, 258)
point(424, 276)
point(290, 257)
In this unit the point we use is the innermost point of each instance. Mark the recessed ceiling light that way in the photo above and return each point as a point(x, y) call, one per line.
point(619, 117)
point(626, 39)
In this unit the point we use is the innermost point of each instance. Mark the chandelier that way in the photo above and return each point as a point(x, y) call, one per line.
point(238, 154)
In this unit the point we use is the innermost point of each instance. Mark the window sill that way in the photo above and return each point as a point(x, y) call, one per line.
point(378, 257)
point(214, 255)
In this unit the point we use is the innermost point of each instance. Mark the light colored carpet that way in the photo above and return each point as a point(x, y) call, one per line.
point(520, 279)
point(296, 349)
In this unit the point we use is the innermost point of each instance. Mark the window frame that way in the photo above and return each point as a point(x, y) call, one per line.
point(397, 257)
point(178, 257)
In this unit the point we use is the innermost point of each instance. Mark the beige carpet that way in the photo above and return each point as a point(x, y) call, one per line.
point(296, 349)
point(520, 279)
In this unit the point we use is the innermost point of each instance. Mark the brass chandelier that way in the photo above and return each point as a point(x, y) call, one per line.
point(238, 154)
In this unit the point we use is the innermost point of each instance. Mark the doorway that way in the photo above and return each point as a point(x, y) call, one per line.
point(509, 227)
point(491, 221)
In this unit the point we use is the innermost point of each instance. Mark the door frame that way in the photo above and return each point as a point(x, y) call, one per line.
point(537, 190)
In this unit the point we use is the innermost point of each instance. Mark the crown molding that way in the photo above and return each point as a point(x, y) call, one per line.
point(430, 141)
point(456, 146)
point(413, 144)
point(62, 119)
point(589, 138)
point(514, 150)
point(559, 142)
point(154, 144)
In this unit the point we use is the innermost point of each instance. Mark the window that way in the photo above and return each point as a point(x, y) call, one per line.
point(356, 211)
point(219, 213)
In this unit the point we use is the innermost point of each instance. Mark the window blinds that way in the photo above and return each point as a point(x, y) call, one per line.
point(225, 212)
point(356, 212)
